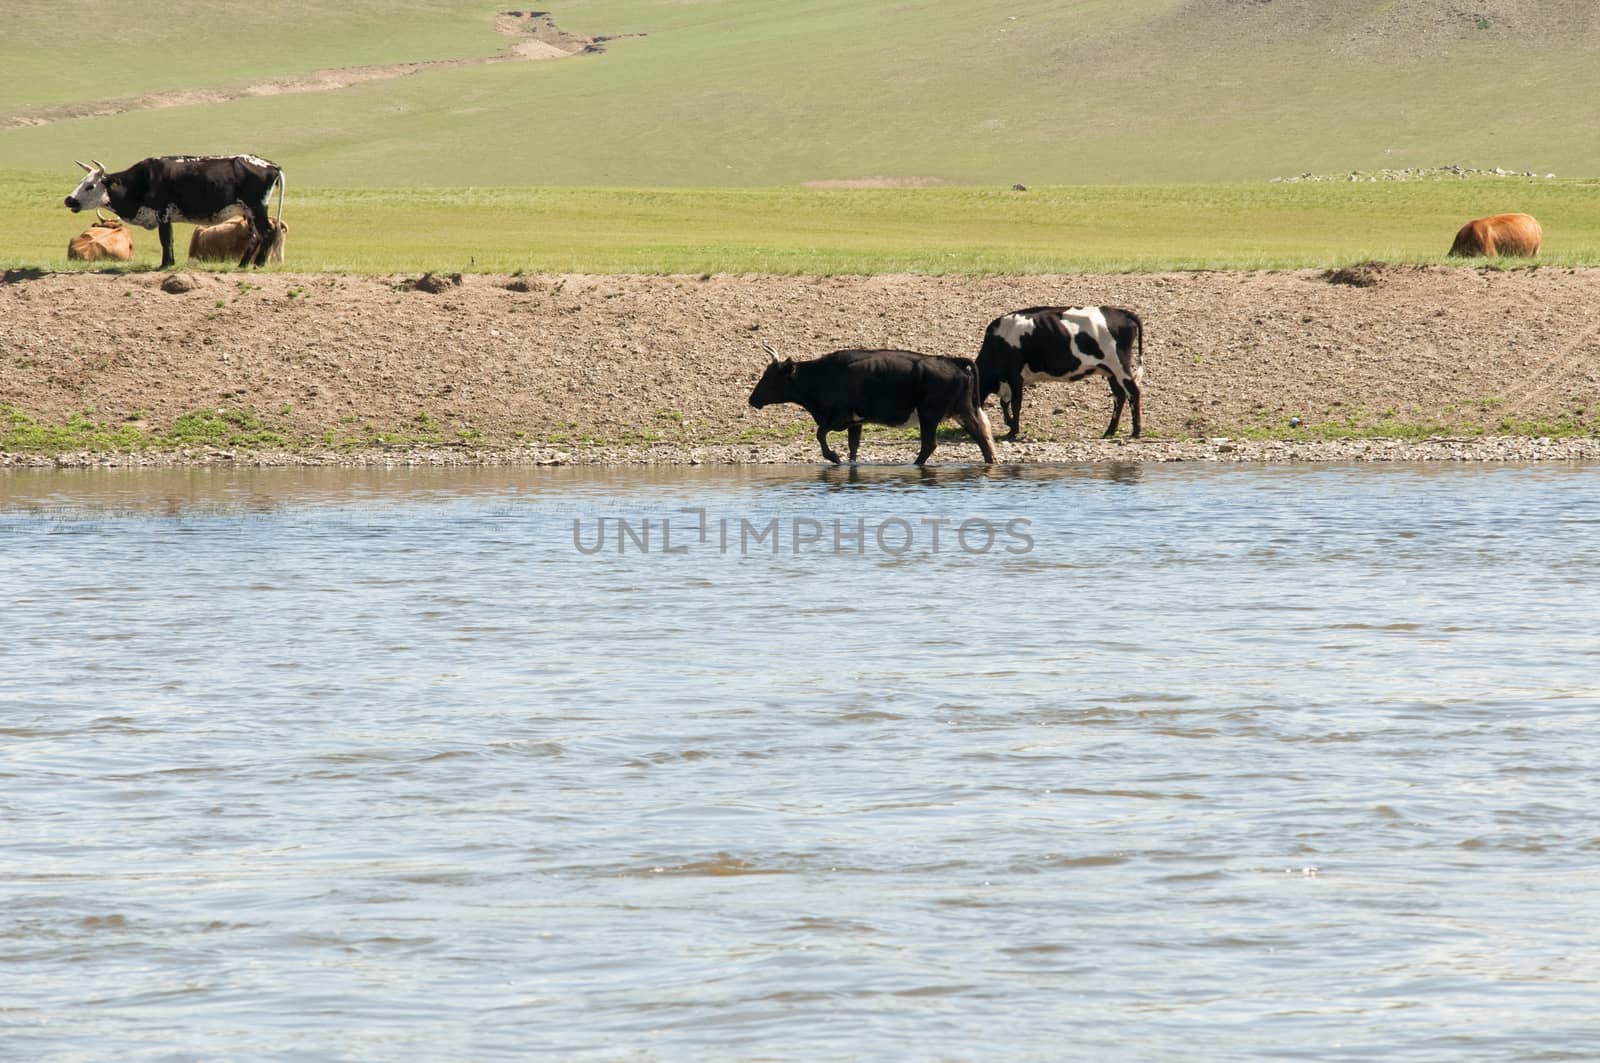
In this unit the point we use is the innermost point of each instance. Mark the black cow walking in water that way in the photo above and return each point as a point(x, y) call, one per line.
point(198, 190)
point(847, 389)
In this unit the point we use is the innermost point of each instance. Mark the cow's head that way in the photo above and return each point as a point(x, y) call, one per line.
point(773, 387)
point(91, 191)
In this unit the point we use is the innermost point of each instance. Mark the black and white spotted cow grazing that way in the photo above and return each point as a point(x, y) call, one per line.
point(199, 190)
point(1062, 343)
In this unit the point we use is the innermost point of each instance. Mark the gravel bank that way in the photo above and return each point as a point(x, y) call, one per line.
point(657, 369)
point(1230, 451)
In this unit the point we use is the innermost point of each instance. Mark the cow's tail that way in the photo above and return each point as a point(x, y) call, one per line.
point(973, 419)
point(277, 224)
point(1138, 363)
point(969, 369)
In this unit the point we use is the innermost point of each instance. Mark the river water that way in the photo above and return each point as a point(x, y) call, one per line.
point(1135, 762)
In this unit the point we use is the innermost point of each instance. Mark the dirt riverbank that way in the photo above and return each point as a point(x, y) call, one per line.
point(495, 369)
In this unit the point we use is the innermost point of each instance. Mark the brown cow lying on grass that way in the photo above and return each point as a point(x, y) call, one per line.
point(226, 241)
point(106, 238)
point(1498, 234)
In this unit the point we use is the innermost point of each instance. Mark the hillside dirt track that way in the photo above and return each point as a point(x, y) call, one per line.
point(537, 38)
point(668, 362)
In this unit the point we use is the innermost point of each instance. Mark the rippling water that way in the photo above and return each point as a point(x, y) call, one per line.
point(1210, 762)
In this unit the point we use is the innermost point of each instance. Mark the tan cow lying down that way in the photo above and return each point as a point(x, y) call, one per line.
point(106, 238)
point(226, 241)
point(1498, 234)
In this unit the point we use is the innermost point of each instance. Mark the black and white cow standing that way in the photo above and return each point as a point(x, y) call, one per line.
point(199, 190)
point(1062, 343)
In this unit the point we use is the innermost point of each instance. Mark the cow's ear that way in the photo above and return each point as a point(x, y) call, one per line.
point(789, 366)
point(115, 188)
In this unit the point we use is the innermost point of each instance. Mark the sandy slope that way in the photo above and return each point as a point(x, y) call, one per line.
point(630, 358)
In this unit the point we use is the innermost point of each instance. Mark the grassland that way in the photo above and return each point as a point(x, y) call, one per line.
point(763, 93)
point(1146, 130)
point(1103, 229)
point(129, 47)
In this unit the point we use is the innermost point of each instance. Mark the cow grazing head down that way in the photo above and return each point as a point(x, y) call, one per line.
point(91, 191)
point(107, 238)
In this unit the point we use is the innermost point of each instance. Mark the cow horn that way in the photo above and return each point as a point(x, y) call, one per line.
point(769, 349)
point(98, 165)
point(86, 169)
point(100, 214)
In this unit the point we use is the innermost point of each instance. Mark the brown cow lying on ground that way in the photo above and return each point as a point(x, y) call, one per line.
point(106, 238)
point(1498, 234)
point(226, 241)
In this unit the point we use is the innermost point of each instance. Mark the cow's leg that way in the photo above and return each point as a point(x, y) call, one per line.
point(822, 439)
point(1014, 415)
point(1119, 395)
point(249, 250)
point(168, 259)
point(930, 434)
point(975, 421)
point(260, 236)
point(854, 432)
point(1133, 405)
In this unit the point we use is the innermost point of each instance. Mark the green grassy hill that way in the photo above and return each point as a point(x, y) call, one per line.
point(781, 92)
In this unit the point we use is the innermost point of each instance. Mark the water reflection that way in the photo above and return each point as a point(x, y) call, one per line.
point(893, 476)
point(174, 492)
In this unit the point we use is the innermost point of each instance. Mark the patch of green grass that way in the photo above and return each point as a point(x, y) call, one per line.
point(1564, 426)
point(865, 231)
point(219, 428)
point(1346, 423)
point(422, 429)
point(80, 431)
point(1355, 423)
point(229, 429)
point(565, 432)
point(781, 433)
point(237, 429)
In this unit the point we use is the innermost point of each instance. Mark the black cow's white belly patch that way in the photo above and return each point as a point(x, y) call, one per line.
point(149, 217)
